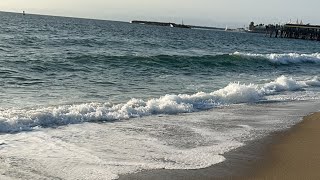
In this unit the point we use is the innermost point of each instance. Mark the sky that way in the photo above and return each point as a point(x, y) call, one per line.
point(195, 12)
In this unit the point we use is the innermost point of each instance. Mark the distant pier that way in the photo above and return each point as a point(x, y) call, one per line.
point(294, 31)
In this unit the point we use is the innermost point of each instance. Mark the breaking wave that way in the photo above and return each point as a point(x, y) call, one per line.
point(16, 120)
point(283, 58)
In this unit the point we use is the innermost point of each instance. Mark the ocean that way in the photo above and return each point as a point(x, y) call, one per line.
point(94, 99)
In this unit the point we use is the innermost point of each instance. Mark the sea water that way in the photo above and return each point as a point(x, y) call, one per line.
point(92, 99)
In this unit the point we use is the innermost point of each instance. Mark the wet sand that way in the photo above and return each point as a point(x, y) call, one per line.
point(292, 154)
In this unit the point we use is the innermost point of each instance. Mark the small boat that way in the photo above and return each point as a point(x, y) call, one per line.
point(24, 13)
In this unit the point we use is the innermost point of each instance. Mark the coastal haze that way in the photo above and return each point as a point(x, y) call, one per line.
point(201, 12)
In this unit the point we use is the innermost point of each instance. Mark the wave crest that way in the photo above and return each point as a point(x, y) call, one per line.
point(284, 58)
point(13, 120)
point(283, 83)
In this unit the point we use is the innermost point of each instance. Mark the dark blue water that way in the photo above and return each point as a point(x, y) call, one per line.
point(52, 60)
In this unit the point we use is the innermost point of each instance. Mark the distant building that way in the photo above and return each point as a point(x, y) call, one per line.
point(261, 28)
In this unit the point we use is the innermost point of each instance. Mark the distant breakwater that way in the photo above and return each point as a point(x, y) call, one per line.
point(161, 24)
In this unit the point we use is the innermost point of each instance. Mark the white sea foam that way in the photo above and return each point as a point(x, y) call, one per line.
point(283, 83)
point(15, 120)
point(284, 58)
point(313, 82)
point(239, 93)
point(107, 150)
point(103, 151)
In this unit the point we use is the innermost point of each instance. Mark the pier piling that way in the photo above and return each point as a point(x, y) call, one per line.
point(295, 31)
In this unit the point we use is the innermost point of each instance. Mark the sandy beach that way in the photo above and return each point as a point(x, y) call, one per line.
point(291, 154)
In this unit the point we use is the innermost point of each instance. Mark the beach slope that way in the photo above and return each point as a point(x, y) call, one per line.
point(294, 154)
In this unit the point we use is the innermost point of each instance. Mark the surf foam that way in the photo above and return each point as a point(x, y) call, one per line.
point(283, 83)
point(284, 58)
point(16, 120)
point(313, 82)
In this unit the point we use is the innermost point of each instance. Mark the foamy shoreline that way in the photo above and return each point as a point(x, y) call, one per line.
point(288, 154)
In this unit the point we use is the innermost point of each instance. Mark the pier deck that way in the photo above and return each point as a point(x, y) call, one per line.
point(295, 31)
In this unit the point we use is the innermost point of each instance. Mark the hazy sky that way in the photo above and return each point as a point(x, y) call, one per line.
point(200, 12)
